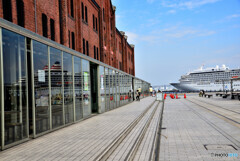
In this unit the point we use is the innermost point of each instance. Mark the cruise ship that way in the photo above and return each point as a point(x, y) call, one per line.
point(209, 79)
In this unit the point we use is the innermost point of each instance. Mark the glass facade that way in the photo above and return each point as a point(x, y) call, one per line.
point(41, 87)
point(117, 89)
point(107, 90)
point(111, 88)
point(86, 88)
point(68, 87)
point(114, 98)
point(15, 87)
point(102, 89)
point(78, 88)
point(56, 87)
point(44, 88)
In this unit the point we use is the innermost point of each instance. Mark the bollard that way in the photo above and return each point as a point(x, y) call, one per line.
point(185, 95)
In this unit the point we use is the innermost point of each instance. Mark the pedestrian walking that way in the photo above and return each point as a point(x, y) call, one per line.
point(151, 90)
point(138, 95)
point(140, 91)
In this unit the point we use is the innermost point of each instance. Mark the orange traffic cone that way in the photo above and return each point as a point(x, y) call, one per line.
point(185, 95)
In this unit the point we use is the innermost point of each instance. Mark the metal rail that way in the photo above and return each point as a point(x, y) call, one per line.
point(216, 106)
point(136, 145)
point(106, 153)
point(226, 135)
point(214, 112)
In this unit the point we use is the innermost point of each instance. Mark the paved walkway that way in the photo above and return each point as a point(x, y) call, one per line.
point(192, 130)
point(81, 141)
point(194, 133)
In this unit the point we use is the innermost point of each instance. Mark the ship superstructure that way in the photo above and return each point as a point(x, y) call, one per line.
point(209, 79)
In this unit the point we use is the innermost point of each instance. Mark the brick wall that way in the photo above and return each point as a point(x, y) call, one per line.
point(67, 18)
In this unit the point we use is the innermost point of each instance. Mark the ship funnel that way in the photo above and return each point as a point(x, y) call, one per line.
point(223, 66)
point(201, 68)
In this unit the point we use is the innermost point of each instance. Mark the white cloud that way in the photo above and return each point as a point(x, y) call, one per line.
point(187, 4)
point(171, 12)
point(150, 1)
point(149, 38)
point(230, 60)
point(178, 31)
point(183, 33)
point(228, 18)
point(132, 37)
point(207, 33)
point(233, 16)
point(167, 34)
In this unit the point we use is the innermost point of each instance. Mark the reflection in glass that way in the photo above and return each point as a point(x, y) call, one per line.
point(106, 82)
point(78, 88)
point(56, 87)
point(41, 89)
point(68, 87)
point(86, 88)
point(0, 124)
point(111, 88)
point(15, 83)
point(120, 88)
point(117, 89)
point(114, 88)
point(102, 89)
point(123, 89)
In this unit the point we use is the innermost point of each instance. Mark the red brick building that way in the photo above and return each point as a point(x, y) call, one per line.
point(87, 26)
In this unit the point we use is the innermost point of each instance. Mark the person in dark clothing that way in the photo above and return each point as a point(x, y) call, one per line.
point(138, 95)
point(129, 95)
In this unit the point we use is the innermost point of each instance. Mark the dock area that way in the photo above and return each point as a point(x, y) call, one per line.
point(195, 128)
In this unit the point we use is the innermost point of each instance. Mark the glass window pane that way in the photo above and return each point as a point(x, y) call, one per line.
point(114, 88)
point(68, 88)
point(106, 82)
point(41, 88)
point(121, 89)
point(110, 88)
point(86, 88)
point(78, 88)
point(102, 89)
point(117, 89)
point(15, 82)
point(56, 87)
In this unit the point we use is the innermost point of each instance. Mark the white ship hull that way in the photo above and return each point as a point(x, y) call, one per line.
point(206, 87)
point(209, 79)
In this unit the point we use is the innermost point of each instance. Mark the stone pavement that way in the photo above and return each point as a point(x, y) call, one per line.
point(194, 133)
point(189, 132)
point(82, 141)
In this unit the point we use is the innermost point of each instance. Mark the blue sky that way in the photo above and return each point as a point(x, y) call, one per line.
point(173, 37)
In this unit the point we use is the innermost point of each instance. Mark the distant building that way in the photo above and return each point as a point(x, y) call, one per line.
point(87, 26)
point(163, 87)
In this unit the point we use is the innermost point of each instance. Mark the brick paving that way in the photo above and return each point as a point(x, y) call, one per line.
point(192, 133)
point(82, 141)
point(190, 127)
point(121, 152)
point(147, 145)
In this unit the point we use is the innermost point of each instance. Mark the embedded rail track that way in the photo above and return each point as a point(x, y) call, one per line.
point(217, 106)
point(232, 139)
point(227, 114)
point(140, 137)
